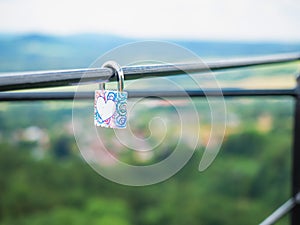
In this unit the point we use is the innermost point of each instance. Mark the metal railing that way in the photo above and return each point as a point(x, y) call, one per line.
point(43, 79)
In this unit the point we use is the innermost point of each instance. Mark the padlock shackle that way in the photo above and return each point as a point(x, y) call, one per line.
point(117, 72)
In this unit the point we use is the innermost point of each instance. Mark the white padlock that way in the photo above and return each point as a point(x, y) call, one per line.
point(110, 106)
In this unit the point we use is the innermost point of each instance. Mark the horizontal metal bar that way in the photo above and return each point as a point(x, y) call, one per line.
point(39, 96)
point(42, 79)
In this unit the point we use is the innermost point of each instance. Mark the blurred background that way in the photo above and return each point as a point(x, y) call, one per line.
point(44, 179)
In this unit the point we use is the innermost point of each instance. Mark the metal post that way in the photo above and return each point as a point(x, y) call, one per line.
point(295, 217)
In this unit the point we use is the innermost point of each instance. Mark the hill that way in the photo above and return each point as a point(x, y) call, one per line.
point(40, 52)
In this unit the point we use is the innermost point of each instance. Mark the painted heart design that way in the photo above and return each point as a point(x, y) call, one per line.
point(105, 109)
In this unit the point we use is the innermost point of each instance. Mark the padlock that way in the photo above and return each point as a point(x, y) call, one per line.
point(110, 106)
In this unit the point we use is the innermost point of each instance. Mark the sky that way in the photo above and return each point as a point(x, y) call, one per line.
point(251, 20)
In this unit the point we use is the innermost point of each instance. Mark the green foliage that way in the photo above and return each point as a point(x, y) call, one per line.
point(247, 181)
point(249, 143)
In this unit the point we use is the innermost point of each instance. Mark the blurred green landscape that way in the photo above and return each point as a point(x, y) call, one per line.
point(44, 179)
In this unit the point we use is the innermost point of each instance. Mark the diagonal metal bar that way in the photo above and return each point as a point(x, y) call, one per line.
point(42, 79)
point(230, 92)
point(280, 212)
